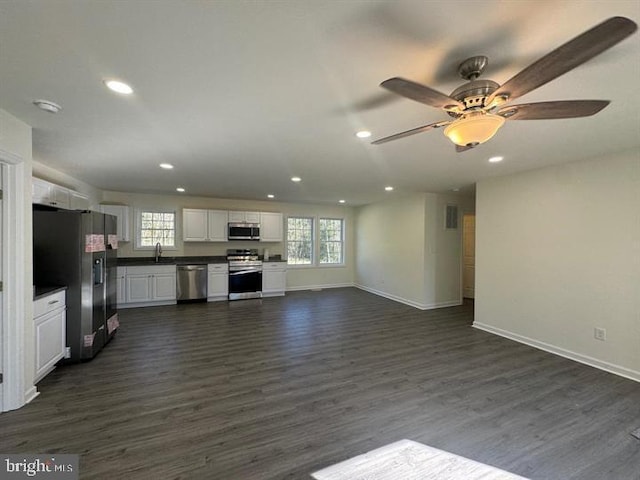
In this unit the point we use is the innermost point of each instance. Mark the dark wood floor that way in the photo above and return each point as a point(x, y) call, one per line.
point(279, 388)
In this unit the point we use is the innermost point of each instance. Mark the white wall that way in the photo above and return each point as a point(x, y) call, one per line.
point(390, 248)
point(558, 254)
point(297, 277)
point(15, 139)
point(403, 251)
point(444, 250)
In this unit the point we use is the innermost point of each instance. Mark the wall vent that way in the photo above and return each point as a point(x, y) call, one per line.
point(451, 217)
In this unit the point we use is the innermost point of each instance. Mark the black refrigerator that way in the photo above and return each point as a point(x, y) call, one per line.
point(78, 249)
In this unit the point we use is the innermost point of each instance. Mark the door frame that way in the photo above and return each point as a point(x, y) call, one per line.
point(13, 276)
point(462, 297)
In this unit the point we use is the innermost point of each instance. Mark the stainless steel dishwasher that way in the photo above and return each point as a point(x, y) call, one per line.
point(191, 282)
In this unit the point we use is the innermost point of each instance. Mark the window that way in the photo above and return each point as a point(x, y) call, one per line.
point(331, 241)
point(299, 241)
point(315, 241)
point(154, 227)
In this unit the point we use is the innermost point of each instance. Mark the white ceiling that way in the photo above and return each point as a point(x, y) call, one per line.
point(242, 95)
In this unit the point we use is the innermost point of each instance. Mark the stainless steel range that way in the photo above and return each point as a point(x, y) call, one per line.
point(245, 274)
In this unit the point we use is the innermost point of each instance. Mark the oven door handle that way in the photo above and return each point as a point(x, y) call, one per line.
point(244, 272)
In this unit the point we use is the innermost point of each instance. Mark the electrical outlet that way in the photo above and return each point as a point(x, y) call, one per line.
point(600, 334)
point(67, 352)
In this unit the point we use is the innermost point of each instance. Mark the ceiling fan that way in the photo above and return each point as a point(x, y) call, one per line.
point(479, 107)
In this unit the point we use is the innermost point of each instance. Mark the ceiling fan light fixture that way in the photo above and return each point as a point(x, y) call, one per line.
point(474, 128)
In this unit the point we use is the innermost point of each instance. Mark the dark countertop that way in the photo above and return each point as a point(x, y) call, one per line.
point(40, 291)
point(145, 261)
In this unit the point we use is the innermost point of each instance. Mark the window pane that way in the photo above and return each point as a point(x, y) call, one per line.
point(331, 240)
point(157, 227)
point(299, 241)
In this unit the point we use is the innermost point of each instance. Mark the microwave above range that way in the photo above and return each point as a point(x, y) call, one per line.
point(243, 231)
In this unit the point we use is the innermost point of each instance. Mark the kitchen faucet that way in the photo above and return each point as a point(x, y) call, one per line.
point(158, 251)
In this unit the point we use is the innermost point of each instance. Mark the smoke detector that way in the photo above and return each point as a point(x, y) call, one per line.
point(47, 106)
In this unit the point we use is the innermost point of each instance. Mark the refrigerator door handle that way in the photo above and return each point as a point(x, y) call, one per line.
point(98, 272)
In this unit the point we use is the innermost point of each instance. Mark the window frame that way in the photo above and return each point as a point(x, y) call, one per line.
point(315, 239)
point(138, 228)
point(342, 243)
point(313, 242)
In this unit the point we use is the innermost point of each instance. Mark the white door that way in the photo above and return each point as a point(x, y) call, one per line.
point(468, 255)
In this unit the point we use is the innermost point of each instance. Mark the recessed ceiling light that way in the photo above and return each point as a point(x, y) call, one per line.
point(47, 106)
point(389, 188)
point(341, 201)
point(296, 179)
point(180, 189)
point(496, 159)
point(363, 134)
point(118, 87)
point(271, 195)
point(166, 166)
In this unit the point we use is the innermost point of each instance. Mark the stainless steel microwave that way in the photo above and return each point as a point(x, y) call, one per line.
point(244, 231)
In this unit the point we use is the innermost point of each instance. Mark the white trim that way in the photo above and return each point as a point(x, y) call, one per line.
point(137, 226)
point(154, 303)
point(315, 242)
point(31, 393)
point(14, 281)
point(592, 362)
point(319, 287)
point(411, 303)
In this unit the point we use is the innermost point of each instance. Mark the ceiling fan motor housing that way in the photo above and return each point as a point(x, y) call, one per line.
point(474, 93)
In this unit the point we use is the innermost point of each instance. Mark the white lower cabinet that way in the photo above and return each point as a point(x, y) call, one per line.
point(218, 282)
point(121, 287)
point(147, 285)
point(50, 323)
point(274, 278)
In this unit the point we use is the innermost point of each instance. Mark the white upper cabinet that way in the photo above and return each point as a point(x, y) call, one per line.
point(218, 220)
point(200, 225)
point(195, 225)
point(271, 227)
point(78, 201)
point(40, 191)
point(47, 193)
point(248, 217)
point(121, 212)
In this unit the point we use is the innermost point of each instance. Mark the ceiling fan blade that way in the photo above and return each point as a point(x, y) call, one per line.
point(464, 148)
point(413, 131)
point(567, 57)
point(420, 93)
point(550, 110)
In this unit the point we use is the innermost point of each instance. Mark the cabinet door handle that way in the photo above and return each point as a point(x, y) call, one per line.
point(53, 302)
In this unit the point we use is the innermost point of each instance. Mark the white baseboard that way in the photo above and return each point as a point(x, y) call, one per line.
point(585, 359)
point(319, 287)
point(31, 394)
point(158, 303)
point(411, 303)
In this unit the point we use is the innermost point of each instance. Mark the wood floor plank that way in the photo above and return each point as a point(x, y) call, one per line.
point(278, 388)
